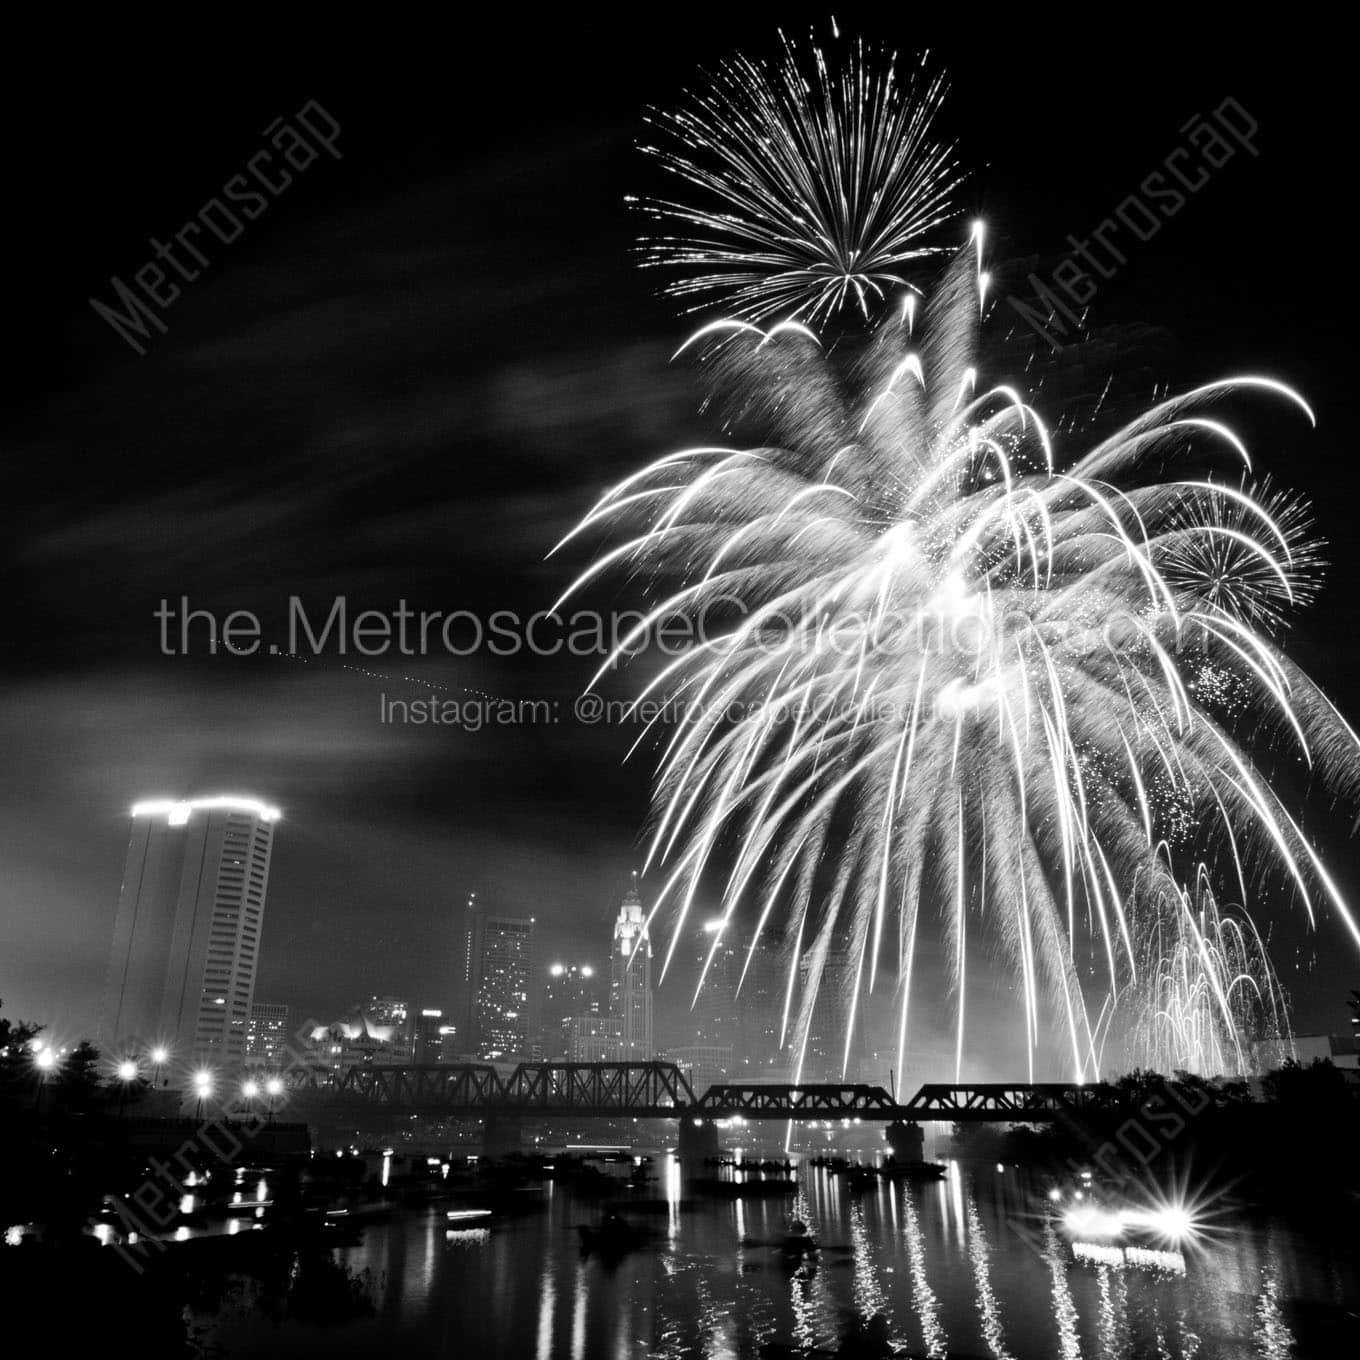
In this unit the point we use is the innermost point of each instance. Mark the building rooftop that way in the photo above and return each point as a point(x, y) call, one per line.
point(177, 811)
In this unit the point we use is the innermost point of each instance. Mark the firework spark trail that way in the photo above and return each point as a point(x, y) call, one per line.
point(815, 182)
point(974, 675)
point(1205, 990)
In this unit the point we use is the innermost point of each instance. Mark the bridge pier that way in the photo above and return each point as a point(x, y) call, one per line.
point(501, 1134)
point(698, 1139)
point(907, 1141)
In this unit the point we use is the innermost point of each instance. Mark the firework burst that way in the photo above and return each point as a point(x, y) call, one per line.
point(965, 683)
point(1204, 991)
point(813, 186)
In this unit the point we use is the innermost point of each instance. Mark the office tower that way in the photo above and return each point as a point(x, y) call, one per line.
point(595, 1038)
point(832, 1052)
point(760, 1011)
point(708, 1032)
point(503, 968)
point(186, 936)
point(568, 993)
point(704, 1065)
point(267, 1035)
point(428, 1039)
point(467, 971)
point(713, 1016)
point(630, 978)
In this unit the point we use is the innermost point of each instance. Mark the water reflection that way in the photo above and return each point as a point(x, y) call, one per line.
point(1274, 1340)
point(1064, 1310)
point(979, 1254)
point(923, 1297)
point(970, 1267)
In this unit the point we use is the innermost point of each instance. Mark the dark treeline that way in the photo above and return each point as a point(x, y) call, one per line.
point(1292, 1147)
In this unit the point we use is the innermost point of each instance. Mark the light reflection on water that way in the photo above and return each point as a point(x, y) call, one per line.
point(966, 1267)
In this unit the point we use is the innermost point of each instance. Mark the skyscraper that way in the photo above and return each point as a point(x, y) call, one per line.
point(467, 971)
point(497, 970)
point(713, 1016)
point(630, 978)
point(708, 1033)
point(267, 1034)
point(760, 1010)
point(833, 1052)
point(568, 994)
point(428, 1039)
point(186, 936)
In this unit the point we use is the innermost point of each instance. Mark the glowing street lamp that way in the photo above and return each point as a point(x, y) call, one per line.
point(273, 1088)
point(249, 1090)
point(203, 1089)
point(45, 1060)
point(127, 1072)
point(160, 1055)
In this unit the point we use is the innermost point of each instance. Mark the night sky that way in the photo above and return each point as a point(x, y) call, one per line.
point(412, 373)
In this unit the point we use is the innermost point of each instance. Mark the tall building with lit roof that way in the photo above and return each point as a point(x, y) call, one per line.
point(630, 978)
point(186, 935)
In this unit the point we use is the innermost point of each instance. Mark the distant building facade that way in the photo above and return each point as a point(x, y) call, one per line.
point(427, 1038)
point(391, 1016)
point(761, 1054)
point(186, 936)
point(569, 993)
point(714, 1018)
point(831, 1052)
point(704, 1065)
point(596, 1038)
point(267, 1035)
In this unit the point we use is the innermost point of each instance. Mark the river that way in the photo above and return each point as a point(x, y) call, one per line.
point(964, 1267)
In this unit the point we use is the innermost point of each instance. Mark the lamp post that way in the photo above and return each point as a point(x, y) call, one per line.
point(203, 1089)
point(45, 1060)
point(159, 1057)
point(273, 1088)
point(249, 1091)
point(127, 1074)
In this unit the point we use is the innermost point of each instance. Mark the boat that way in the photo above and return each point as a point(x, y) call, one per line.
point(612, 1236)
point(468, 1217)
point(914, 1171)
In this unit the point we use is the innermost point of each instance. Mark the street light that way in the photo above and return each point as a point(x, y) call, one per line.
point(249, 1091)
point(127, 1074)
point(273, 1088)
point(45, 1060)
point(203, 1089)
point(159, 1055)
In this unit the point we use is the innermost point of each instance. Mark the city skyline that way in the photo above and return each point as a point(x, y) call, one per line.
point(515, 1007)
